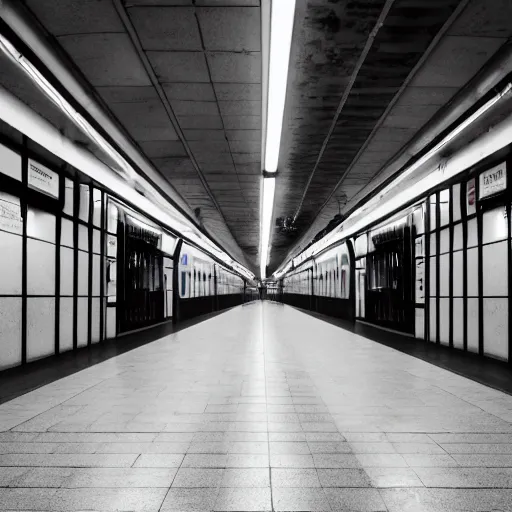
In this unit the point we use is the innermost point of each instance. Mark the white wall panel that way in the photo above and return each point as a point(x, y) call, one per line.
point(457, 237)
point(433, 320)
point(472, 236)
point(458, 323)
point(66, 271)
point(473, 325)
point(10, 332)
point(68, 197)
point(444, 321)
point(433, 266)
point(419, 323)
point(444, 275)
point(496, 327)
point(456, 203)
point(41, 225)
point(82, 321)
point(66, 233)
point(472, 277)
point(83, 237)
point(95, 320)
point(10, 264)
point(494, 225)
point(83, 273)
point(40, 327)
point(96, 275)
point(40, 268)
point(111, 323)
point(495, 268)
point(444, 241)
point(458, 275)
point(66, 324)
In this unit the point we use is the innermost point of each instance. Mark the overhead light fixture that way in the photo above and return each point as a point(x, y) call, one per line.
point(281, 29)
point(282, 13)
point(269, 188)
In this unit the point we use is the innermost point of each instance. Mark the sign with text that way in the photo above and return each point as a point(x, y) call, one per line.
point(493, 181)
point(10, 214)
point(43, 179)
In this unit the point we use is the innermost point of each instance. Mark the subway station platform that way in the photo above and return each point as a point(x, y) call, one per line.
point(260, 408)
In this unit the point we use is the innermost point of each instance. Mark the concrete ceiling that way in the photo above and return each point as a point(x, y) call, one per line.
point(424, 52)
point(184, 80)
point(183, 77)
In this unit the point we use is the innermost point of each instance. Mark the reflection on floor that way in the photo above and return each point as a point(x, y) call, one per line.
point(261, 408)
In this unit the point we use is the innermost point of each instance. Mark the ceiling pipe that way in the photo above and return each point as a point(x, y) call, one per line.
point(371, 38)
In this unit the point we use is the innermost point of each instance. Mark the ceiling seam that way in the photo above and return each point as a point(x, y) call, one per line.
point(165, 102)
point(346, 93)
point(217, 99)
point(456, 13)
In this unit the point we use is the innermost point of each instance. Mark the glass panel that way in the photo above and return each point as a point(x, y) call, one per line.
point(82, 321)
point(444, 241)
point(112, 217)
point(457, 274)
point(472, 238)
point(433, 267)
point(419, 323)
point(470, 197)
point(444, 275)
point(10, 163)
point(457, 237)
point(66, 271)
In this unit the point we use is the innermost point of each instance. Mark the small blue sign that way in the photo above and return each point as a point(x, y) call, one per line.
point(184, 259)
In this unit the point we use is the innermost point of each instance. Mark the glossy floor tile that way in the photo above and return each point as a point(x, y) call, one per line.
point(261, 408)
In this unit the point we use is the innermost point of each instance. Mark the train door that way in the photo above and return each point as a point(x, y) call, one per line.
point(142, 291)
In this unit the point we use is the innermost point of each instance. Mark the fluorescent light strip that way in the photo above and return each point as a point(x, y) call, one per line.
point(269, 188)
point(281, 29)
point(170, 217)
point(375, 209)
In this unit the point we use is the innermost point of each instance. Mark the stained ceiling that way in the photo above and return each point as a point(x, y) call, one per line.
point(183, 78)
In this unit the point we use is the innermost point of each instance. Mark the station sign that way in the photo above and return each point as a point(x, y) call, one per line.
point(493, 181)
point(43, 179)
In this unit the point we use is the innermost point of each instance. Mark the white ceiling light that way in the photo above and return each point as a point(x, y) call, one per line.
point(282, 13)
point(281, 28)
point(269, 188)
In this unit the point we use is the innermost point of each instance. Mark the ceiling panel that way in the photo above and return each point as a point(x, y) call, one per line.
point(190, 91)
point(179, 66)
point(166, 28)
point(235, 67)
point(62, 17)
point(230, 28)
point(236, 92)
point(106, 59)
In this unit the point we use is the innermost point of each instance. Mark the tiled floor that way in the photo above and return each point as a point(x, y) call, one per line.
point(261, 408)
